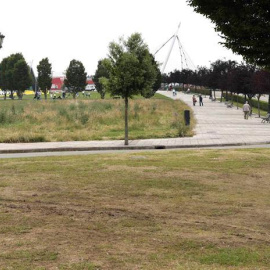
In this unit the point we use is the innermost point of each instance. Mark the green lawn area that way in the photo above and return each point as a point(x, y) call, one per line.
point(91, 118)
point(177, 210)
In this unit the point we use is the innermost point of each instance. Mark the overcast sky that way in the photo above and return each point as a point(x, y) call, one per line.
point(63, 30)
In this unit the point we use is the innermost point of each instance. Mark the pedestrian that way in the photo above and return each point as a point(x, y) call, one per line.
point(246, 110)
point(201, 100)
point(194, 100)
point(174, 92)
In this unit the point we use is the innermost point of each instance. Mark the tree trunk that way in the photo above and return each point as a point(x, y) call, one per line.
point(269, 103)
point(259, 109)
point(250, 104)
point(221, 95)
point(237, 100)
point(126, 121)
point(45, 94)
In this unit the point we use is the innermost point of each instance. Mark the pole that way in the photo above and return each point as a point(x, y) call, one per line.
point(169, 53)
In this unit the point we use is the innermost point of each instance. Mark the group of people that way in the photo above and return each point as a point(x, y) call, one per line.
point(194, 100)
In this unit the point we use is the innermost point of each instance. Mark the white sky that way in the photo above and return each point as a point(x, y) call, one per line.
point(63, 30)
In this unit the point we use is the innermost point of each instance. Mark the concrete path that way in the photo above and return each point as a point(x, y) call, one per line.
point(217, 125)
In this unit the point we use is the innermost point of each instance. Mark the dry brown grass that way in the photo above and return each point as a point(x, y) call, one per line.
point(205, 209)
point(69, 120)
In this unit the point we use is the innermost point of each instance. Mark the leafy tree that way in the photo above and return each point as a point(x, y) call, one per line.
point(3, 76)
point(9, 71)
point(75, 77)
point(203, 76)
point(131, 70)
point(101, 72)
point(218, 78)
point(44, 75)
point(244, 26)
point(21, 76)
point(261, 84)
point(15, 74)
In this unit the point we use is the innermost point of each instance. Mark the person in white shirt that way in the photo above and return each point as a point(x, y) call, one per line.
point(246, 110)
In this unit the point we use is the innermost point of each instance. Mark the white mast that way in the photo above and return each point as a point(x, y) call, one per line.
point(169, 53)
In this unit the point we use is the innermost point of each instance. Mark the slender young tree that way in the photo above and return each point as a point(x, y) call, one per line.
point(44, 76)
point(131, 70)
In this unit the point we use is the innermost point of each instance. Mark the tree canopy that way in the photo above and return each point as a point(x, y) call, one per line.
point(244, 26)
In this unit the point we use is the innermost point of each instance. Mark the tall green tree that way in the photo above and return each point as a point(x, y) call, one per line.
point(44, 75)
point(131, 70)
point(15, 74)
point(75, 77)
point(21, 76)
point(9, 73)
point(244, 26)
point(3, 75)
point(101, 74)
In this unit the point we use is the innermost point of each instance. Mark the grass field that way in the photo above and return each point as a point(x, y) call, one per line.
point(177, 210)
point(90, 119)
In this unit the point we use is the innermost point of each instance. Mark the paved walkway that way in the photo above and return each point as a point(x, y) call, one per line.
point(217, 125)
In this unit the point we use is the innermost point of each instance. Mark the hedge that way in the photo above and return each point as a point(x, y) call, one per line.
point(254, 102)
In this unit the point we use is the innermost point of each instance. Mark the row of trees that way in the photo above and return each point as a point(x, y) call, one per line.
point(16, 75)
point(226, 76)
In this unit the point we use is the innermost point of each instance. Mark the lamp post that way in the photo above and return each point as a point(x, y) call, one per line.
point(1, 39)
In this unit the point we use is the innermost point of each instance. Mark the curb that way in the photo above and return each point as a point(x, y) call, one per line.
point(115, 148)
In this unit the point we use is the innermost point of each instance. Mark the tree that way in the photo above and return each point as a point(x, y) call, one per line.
point(21, 76)
point(218, 78)
point(244, 26)
point(75, 77)
point(101, 72)
point(3, 76)
point(261, 84)
point(15, 74)
point(131, 70)
point(44, 75)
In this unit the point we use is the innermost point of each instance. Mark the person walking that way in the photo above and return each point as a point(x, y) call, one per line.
point(194, 100)
point(246, 110)
point(201, 100)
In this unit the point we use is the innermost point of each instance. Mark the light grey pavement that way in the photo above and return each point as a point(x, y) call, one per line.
point(217, 125)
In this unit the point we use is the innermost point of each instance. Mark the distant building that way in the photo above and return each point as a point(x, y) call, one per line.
point(90, 86)
point(58, 84)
